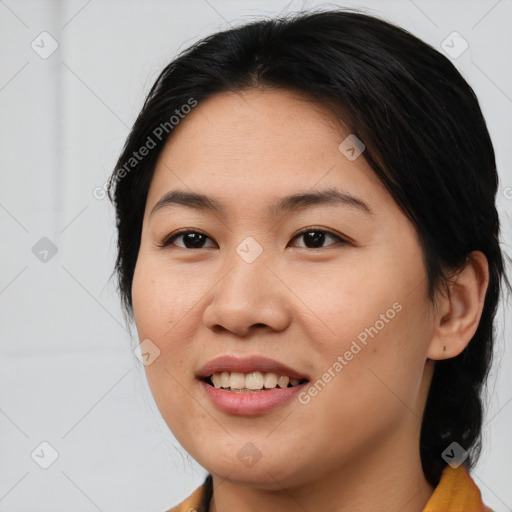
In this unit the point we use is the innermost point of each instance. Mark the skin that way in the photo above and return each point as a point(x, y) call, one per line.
point(355, 445)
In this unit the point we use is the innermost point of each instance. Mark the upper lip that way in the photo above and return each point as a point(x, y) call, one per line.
point(247, 365)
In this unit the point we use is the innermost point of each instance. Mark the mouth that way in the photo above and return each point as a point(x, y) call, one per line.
point(253, 382)
point(250, 386)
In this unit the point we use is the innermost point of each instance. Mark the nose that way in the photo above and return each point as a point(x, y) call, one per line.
point(248, 297)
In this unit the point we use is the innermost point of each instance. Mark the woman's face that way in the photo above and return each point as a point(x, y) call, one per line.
point(342, 308)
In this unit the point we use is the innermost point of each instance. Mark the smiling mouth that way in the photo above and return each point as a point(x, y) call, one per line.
point(254, 382)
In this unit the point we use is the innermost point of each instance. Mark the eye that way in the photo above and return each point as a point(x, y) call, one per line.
point(315, 237)
point(191, 239)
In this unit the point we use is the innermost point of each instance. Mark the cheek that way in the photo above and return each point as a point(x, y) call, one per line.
point(378, 373)
point(163, 306)
point(353, 300)
point(164, 313)
point(163, 298)
point(370, 344)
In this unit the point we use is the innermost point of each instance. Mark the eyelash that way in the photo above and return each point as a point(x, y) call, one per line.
point(168, 241)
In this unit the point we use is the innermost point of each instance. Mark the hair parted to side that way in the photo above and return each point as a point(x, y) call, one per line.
point(426, 140)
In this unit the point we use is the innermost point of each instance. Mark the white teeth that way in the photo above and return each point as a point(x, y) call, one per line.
point(217, 380)
point(224, 380)
point(237, 380)
point(270, 380)
point(283, 381)
point(253, 381)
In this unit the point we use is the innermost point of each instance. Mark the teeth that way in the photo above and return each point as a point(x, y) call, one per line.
point(283, 381)
point(224, 379)
point(251, 381)
point(237, 380)
point(270, 380)
point(254, 380)
point(217, 380)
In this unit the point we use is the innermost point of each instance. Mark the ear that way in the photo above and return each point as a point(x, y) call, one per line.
point(458, 314)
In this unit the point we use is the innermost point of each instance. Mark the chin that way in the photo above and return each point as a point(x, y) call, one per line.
point(267, 473)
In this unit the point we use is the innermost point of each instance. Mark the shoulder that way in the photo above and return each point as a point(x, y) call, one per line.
point(456, 491)
point(198, 501)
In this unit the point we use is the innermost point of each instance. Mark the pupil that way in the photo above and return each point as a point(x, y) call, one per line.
point(194, 239)
point(316, 239)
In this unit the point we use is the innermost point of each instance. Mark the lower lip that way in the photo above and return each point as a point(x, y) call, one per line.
point(250, 404)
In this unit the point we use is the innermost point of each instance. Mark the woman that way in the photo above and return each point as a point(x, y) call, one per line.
point(309, 246)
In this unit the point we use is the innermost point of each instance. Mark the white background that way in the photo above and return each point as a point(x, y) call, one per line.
point(67, 372)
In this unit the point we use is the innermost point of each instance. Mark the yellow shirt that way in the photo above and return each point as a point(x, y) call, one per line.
point(456, 492)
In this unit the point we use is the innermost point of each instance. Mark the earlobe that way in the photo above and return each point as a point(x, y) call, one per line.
point(459, 312)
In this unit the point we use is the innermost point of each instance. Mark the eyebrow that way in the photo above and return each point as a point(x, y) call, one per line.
point(294, 202)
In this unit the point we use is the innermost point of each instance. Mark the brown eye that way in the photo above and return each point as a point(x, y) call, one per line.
point(315, 238)
point(191, 239)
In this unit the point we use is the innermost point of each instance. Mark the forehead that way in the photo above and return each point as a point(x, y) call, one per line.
point(254, 144)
